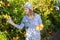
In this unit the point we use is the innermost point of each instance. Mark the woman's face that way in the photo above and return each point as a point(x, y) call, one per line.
point(26, 11)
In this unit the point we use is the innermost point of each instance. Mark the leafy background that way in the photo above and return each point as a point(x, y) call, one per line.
point(48, 10)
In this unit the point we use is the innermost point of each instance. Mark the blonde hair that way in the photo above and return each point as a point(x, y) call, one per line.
point(31, 12)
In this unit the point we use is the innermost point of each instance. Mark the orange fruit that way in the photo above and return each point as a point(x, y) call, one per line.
point(6, 16)
point(8, 4)
point(3, 3)
point(39, 27)
point(40, 4)
point(15, 38)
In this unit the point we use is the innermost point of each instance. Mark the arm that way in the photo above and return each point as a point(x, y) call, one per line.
point(16, 25)
point(40, 26)
point(40, 23)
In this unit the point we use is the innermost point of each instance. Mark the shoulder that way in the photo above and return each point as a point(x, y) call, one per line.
point(24, 19)
point(37, 15)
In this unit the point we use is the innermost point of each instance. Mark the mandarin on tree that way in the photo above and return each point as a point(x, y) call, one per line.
point(8, 4)
point(3, 3)
point(6, 16)
point(40, 4)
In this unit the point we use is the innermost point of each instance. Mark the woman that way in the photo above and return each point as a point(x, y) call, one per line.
point(31, 20)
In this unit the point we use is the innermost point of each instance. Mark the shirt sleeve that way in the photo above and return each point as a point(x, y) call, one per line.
point(39, 20)
point(21, 25)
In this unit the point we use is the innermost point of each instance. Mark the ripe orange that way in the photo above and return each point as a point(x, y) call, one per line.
point(39, 27)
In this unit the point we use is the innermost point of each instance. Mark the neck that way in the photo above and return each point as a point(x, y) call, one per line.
point(31, 15)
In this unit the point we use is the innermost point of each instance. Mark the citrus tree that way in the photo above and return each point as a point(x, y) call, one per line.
point(48, 10)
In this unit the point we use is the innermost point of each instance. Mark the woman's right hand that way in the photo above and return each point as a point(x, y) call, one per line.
point(9, 20)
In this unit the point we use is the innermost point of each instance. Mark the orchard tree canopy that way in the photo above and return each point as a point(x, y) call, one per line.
point(49, 10)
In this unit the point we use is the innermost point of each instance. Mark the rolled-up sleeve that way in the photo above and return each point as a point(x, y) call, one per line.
point(21, 25)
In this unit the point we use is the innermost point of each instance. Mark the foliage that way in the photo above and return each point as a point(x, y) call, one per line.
point(4, 35)
point(14, 8)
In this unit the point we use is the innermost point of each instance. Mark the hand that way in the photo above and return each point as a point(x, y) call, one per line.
point(9, 20)
point(39, 27)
